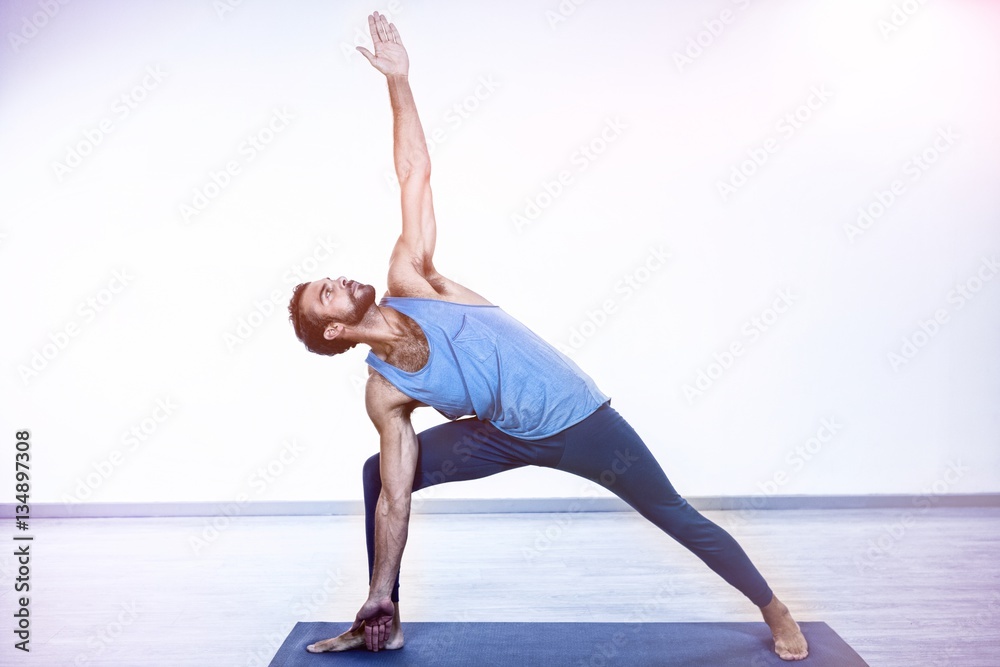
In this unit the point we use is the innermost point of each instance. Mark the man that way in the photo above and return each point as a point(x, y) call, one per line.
point(437, 343)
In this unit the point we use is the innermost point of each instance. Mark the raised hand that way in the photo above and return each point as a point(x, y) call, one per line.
point(390, 56)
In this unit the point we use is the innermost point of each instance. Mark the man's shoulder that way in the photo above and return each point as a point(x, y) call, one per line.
point(383, 398)
point(437, 287)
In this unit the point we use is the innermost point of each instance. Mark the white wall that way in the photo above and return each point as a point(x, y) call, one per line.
point(185, 287)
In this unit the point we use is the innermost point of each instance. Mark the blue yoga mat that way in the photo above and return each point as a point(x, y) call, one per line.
point(574, 644)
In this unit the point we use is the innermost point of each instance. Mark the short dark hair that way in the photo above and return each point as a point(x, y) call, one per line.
point(310, 330)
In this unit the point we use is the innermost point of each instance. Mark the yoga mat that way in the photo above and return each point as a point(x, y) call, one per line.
point(574, 644)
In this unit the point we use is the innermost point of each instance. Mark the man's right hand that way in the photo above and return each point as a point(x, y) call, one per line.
point(390, 56)
point(376, 615)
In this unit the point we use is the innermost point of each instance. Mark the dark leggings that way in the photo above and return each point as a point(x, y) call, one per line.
point(602, 448)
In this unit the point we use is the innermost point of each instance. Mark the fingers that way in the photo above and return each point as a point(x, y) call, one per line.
point(383, 632)
point(383, 28)
point(377, 632)
point(367, 54)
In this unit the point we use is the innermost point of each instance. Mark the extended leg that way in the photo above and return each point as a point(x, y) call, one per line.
point(605, 449)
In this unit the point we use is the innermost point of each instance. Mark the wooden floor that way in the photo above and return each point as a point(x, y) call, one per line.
point(920, 592)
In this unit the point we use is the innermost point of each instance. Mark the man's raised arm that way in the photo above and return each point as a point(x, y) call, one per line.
point(412, 161)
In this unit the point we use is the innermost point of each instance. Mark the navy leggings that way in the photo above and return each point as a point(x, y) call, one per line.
point(602, 448)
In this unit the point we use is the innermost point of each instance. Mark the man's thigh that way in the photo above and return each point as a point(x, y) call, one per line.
point(462, 450)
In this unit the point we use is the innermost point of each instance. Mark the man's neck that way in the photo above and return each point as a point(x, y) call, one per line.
point(383, 329)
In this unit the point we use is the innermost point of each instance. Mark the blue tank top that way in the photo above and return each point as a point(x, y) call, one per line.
point(483, 362)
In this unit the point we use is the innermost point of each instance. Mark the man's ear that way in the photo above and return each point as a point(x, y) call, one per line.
point(332, 330)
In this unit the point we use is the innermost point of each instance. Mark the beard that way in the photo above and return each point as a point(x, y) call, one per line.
point(362, 299)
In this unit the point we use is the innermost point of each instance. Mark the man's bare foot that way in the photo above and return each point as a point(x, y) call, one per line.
point(351, 640)
point(789, 642)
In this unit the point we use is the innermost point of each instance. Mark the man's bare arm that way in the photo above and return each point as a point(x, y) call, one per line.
point(411, 266)
point(410, 156)
point(389, 410)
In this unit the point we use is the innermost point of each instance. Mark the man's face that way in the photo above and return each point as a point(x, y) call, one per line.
point(343, 301)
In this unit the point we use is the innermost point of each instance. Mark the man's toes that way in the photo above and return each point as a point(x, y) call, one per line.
point(319, 647)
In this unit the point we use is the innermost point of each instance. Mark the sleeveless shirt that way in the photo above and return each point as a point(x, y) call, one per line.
point(483, 362)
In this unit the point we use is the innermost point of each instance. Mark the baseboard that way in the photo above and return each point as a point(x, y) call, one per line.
point(497, 505)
